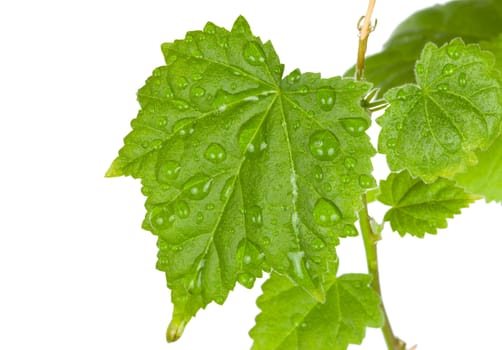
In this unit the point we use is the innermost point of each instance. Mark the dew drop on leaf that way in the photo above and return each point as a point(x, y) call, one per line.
point(254, 215)
point(442, 87)
point(215, 153)
point(391, 143)
point(350, 231)
point(200, 218)
point(168, 171)
point(182, 209)
point(355, 127)
point(253, 54)
point(227, 189)
point(184, 127)
point(180, 105)
point(366, 181)
point(419, 68)
point(350, 163)
point(161, 218)
point(197, 91)
point(297, 320)
point(323, 145)
point(326, 213)
point(326, 99)
point(293, 77)
point(162, 121)
point(453, 50)
point(181, 82)
point(449, 69)
point(462, 79)
point(317, 244)
point(194, 286)
point(210, 28)
point(246, 279)
point(303, 90)
point(198, 186)
point(318, 173)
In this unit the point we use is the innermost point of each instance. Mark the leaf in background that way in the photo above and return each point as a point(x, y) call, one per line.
point(292, 320)
point(485, 178)
point(433, 128)
point(244, 170)
point(472, 20)
point(419, 208)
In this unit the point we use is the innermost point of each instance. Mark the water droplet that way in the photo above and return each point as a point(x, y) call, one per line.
point(323, 145)
point(349, 231)
point(168, 93)
point(265, 241)
point(303, 90)
point(401, 95)
point(168, 171)
point(181, 82)
point(355, 127)
point(184, 127)
point(157, 72)
point(227, 189)
point(246, 279)
point(350, 163)
point(210, 28)
point(294, 77)
point(297, 320)
point(317, 244)
point(180, 105)
point(326, 187)
point(299, 270)
point(449, 69)
point(326, 213)
point(198, 186)
point(197, 54)
point(391, 143)
point(145, 144)
point(442, 87)
point(462, 79)
point(366, 181)
point(182, 209)
point(318, 173)
point(162, 121)
point(156, 144)
point(251, 140)
point(254, 54)
point(194, 286)
point(146, 190)
point(254, 215)
point(161, 217)
point(215, 153)
point(197, 91)
point(326, 98)
point(419, 68)
point(200, 218)
point(453, 50)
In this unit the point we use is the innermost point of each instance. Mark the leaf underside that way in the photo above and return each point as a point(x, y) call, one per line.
point(245, 170)
point(434, 128)
point(292, 320)
point(419, 208)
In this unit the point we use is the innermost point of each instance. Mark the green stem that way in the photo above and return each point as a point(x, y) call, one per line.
point(370, 244)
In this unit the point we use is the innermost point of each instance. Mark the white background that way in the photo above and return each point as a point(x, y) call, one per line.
point(76, 269)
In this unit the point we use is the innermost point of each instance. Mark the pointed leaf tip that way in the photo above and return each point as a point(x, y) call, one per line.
point(175, 330)
point(114, 170)
point(241, 25)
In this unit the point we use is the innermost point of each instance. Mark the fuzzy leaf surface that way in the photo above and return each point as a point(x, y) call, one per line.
point(472, 20)
point(433, 128)
point(244, 170)
point(419, 208)
point(291, 320)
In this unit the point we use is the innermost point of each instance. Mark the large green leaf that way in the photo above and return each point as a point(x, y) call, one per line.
point(291, 320)
point(418, 207)
point(472, 20)
point(433, 128)
point(244, 170)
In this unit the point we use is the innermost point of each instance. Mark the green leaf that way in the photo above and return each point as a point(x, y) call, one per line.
point(473, 21)
point(433, 128)
point(419, 208)
point(244, 170)
point(495, 47)
point(291, 320)
point(485, 178)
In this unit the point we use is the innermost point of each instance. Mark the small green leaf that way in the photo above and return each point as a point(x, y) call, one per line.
point(485, 178)
point(472, 20)
point(433, 128)
point(244, 170)
point(292, 320)
point(418, 207)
